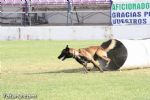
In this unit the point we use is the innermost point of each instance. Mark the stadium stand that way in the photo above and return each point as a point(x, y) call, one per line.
point(41, 11)
point(54, 1)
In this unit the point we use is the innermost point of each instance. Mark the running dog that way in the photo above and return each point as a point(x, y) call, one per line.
point(88, 55)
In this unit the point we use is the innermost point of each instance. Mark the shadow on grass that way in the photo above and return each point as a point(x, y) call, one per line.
point(77, 70)
point(81, 70)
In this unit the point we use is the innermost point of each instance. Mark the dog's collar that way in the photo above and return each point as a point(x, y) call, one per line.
point(74, 54)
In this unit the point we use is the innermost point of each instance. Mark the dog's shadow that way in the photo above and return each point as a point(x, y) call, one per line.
point(77, 70)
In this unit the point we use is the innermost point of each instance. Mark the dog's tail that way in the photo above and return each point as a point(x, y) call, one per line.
point(111, 45)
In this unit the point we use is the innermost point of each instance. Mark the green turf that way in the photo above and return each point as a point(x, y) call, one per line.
point(32, 67)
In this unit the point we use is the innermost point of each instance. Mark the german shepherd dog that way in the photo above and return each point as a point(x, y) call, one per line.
point(88, 55)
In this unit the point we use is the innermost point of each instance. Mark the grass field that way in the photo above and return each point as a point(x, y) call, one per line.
point(32, 67)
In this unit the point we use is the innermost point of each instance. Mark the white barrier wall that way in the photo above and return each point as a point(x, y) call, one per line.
point(74, 32)
point(131, 32)
point(53, 33)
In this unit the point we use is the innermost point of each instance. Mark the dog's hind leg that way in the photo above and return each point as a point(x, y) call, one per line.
point(102, 54)
point(107, 59)
point(95, 65)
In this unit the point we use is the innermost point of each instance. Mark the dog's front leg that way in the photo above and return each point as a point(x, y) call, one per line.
point(85, 67)
point(82, 62)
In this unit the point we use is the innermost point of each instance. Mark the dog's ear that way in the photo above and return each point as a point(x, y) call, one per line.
point(67, 46)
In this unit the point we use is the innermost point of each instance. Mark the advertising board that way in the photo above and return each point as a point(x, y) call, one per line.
point(130, 13)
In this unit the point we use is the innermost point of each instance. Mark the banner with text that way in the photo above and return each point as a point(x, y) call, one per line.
point(130, 13)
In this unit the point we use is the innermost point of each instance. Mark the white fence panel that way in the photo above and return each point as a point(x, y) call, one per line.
point(74, 32)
